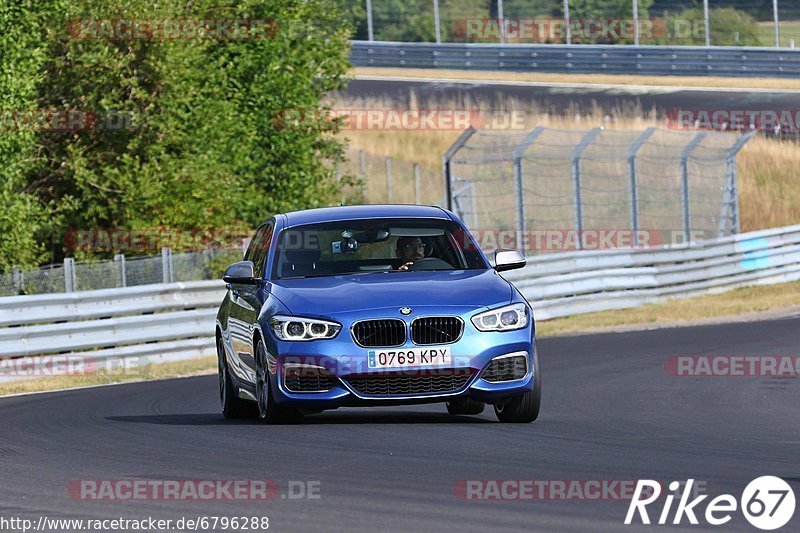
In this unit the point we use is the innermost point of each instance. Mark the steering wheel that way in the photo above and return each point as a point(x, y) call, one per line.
point(430, 263)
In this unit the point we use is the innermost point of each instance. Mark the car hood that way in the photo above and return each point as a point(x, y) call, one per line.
point(330, 295)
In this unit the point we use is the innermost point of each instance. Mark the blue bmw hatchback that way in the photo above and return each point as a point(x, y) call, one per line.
point(374, 305)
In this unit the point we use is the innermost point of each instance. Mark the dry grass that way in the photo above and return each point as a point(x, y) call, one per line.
point(745, 302)
point(769, 183)
point(769, 180)
point(594, 79)
point(190, 367)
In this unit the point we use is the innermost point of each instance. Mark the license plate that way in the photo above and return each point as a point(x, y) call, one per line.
point(409, 357)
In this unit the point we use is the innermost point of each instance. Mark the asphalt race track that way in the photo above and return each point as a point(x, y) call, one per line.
point(559, 99)
point(610, 412)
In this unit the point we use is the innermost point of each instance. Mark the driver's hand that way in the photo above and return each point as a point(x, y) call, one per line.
point(406, 266)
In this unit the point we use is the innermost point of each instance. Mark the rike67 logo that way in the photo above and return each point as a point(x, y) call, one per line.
point(767, 503)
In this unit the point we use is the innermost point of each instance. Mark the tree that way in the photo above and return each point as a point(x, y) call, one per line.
point(204, 148)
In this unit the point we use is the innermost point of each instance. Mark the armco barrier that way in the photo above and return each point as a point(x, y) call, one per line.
point(148, 324)
point(571, 283)
point(582, 59)
point(168, 322)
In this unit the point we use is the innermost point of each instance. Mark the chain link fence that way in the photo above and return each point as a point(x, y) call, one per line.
point(765, 23)
point(120, 272)
point(547, 186)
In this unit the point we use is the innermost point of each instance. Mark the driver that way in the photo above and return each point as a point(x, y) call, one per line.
point(409, 250)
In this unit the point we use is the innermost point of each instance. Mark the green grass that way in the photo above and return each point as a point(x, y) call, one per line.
point(788, 30)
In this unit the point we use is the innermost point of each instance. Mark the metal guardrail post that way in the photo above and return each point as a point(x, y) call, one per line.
point(69, 274)
point(576, 179)
point(517, 154)
point(447, 171)
point(685, 153)
point(705, 18)
point(634, 149)
point(166, 265)
point(566, 22)
point(119, 259)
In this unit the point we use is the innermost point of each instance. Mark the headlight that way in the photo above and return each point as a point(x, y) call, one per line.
point(514, 316)
point(291, 328)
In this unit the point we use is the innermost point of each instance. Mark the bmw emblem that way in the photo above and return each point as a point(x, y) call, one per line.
point(405, 311)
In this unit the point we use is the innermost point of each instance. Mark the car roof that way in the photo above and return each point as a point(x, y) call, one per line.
point(354, 212)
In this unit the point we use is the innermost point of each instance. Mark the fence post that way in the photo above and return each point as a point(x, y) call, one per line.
point(634, 149)
point(576, 179)
point(517, 154)
point(566, 22)
point(732, 185)
point(166, 265)
point(777, 23)
point(388, 180)
point(417, 195)
point(370, 35)
point(119, 259)
point(705, 18)
point(362, 171)
point(436, 24)
point(69, 274)
point(18, 280)
point(636, 22)
point(685, 153)
point(447, 170)
point(502, 20)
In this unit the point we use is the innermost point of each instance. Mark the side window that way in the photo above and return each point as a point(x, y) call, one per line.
point(248, 255)
point(261, 249)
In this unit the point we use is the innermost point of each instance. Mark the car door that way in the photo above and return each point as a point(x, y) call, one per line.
point(245, 305)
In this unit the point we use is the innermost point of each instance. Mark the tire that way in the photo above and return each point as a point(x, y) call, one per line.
point(232, 405)
point(465, 406)
point(268, 411)
point(524, 408)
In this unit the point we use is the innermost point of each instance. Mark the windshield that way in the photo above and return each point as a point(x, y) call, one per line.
point(374, 246)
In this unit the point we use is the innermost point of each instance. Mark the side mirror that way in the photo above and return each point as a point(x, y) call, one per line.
point(508, 260)
point(240, 273)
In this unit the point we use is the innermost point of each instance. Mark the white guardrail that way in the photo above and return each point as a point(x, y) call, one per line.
point(170, 322)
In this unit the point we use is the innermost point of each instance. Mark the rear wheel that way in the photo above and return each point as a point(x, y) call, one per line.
point(268, 411)
point(523, 408)
point(232, 405)
point(465, 406)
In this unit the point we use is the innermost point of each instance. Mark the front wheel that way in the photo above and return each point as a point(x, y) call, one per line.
point(268, 411)
point(523, 408)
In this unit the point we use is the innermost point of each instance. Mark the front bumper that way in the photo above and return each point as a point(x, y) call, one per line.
point(345, 362)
